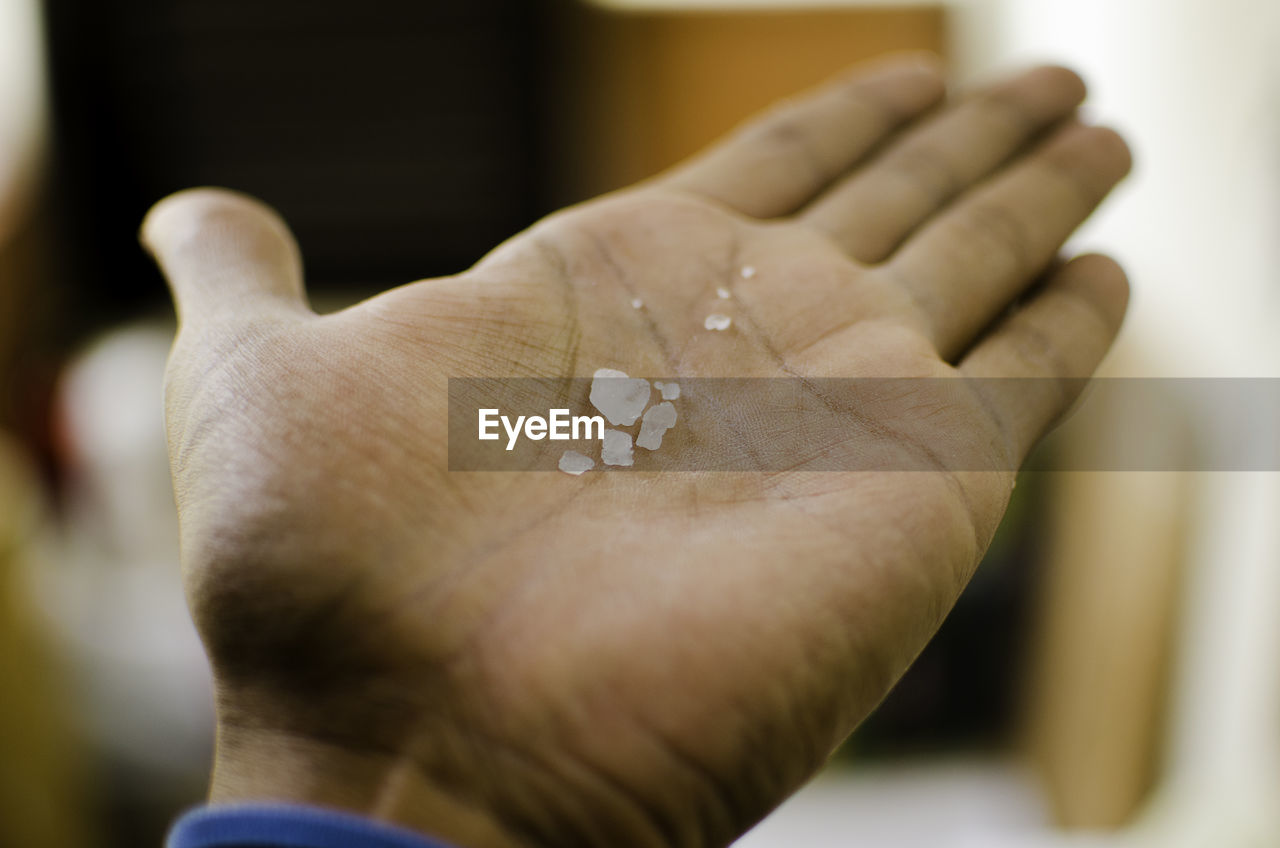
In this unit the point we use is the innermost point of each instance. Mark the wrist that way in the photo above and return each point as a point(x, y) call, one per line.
point(262, 766)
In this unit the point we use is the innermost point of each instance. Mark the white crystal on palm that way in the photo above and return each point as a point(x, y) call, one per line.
point(657, 421)
point(572, 462)
point(716, 321)
point(616, 448)
point(619, 398)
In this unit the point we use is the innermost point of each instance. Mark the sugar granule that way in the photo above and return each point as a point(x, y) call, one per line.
point(572, 462)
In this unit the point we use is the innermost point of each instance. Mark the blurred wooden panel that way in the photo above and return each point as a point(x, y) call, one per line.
point(1099, 665)
point(637, 92)
point(43, 779)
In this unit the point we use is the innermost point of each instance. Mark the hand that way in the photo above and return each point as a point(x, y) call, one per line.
point(619, 658)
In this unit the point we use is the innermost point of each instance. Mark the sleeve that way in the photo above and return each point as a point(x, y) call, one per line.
point(287, 826)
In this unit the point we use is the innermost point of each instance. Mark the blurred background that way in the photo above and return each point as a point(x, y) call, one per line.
point(1112, 675)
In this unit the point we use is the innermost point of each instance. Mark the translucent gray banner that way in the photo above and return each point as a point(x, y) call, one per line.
point(872, 424)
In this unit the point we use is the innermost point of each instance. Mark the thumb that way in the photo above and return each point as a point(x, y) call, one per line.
point(226, 256)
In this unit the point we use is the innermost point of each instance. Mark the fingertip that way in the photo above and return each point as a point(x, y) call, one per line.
point(222, 251)
point(1101, 281)
point(923, 62)
point(178, 217)
point(1067, 82)
point(911, 80)
point(1100, 155)
point(1041, 94)
point(1118, 148)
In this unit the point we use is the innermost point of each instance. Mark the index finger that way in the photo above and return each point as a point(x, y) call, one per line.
point(778, 161)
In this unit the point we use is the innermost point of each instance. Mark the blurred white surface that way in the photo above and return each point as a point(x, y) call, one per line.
point(110, 581)
point(1195, 87)
point(947, 804)
point(23, 119)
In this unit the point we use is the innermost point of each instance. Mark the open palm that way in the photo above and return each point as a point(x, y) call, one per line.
point(622, 658)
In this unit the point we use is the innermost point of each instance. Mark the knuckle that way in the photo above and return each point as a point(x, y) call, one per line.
point(929, 169)
point(789, 138)
point(1088, 163)
point(994, 227)
point(1005, 111)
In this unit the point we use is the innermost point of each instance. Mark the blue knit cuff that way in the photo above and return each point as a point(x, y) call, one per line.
point(287, 826)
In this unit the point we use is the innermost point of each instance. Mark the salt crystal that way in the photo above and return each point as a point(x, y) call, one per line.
point(636, 303)
point(572, 462)
point(715, 321)
point(620, 398)
point(657, 421)
point(748, 271)
point(616, 448)
point(722, 293)
point(670, 391)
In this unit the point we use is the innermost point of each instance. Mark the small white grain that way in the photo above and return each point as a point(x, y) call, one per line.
point(572, 462)
point(716, 321)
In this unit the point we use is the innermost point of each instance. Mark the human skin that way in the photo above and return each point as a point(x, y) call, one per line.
point(622, 658)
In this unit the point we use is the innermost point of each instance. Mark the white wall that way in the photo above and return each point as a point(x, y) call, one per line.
point(1195, 86)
